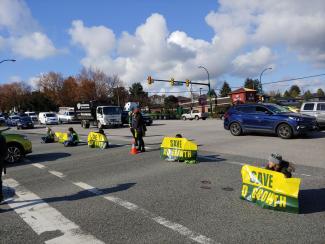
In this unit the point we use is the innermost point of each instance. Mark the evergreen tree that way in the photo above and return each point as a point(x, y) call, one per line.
point(307, 95)
point(294, 91)
point(320, 92)
point(225, 90)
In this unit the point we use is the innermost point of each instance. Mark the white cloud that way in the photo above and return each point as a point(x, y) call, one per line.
point(248, 35)
point(35, 46)
point(23, 35)
point(252, 63)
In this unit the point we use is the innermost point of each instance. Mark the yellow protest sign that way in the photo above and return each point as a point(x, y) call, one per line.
point(97, 140)
point(61, 136)
point(178, 149)
point(270, 189)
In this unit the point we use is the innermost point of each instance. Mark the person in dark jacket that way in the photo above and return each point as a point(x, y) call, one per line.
point(276, 163)
point(139, 128)
point(3, 154)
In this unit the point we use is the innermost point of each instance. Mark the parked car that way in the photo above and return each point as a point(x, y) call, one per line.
point(12, 120)
point(2, 119)
point(194, 114)
point(316, 109)
point(67, 117)
point(18, 147)
point(125, 117)
point(48, 118)
point(267, 118)
point(25, 122)
point(32, 115)
point(147, 119)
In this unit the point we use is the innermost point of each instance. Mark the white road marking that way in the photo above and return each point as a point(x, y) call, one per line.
point(40, 166)
point(305, 174)
point(41, 217)
point(57, 173)
point(158, 219)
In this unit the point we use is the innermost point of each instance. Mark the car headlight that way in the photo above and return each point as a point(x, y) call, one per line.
point(295, 118)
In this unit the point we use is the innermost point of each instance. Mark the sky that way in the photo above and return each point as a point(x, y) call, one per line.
point(232, 39)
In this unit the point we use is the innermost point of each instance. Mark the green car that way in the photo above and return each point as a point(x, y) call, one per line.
point(18, 147)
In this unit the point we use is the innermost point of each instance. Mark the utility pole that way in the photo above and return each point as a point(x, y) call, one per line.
point(209, 86)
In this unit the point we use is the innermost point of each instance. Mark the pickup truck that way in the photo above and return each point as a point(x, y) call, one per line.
point(67, 117)
point(194, 114)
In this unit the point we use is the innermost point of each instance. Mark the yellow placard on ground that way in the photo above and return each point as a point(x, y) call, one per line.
point(270, 189)
point(61, 136)
point(97, 140)
point(178, 149)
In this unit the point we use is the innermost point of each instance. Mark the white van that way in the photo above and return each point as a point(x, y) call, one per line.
point(316, 109)
point(32, 115)
point(48, 118)
point(108, 116)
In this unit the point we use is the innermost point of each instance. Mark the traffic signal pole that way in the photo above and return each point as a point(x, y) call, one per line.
point(186, 82)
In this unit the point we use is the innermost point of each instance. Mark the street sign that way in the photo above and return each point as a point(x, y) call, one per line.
point(178, 83)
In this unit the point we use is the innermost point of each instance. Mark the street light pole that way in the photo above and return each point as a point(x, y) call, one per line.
point(8, 60)
point(209, 86)
point(261, 76)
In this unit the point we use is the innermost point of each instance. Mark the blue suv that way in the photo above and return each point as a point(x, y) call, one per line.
point(267, 118)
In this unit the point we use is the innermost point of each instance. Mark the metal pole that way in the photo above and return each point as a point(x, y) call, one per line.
point(209, 86)
point(261, 76)
point(200, 91)
point(8, 60)
point(118, 97)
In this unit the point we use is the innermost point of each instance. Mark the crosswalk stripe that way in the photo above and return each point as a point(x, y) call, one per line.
point(183, 230)
point(41, 217)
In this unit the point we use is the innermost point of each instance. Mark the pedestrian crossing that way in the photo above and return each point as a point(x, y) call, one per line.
point(44, 218)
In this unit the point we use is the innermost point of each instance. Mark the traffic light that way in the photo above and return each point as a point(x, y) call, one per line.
point(172, 81)
point(187, 82)
point(150, 80)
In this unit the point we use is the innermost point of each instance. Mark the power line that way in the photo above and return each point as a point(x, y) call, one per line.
point(299, 78)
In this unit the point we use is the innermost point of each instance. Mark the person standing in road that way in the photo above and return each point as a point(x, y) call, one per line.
point(3, 154)
point(131, 116)
point(139, 128)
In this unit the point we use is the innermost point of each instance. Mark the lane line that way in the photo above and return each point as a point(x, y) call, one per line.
point(305, 174)
point(41, 217)
point(56, 173)
point(158, 219)
point(40, 166)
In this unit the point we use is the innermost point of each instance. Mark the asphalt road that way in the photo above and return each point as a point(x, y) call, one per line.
point(83, 195)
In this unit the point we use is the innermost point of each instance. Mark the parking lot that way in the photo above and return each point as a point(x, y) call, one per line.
point(110, 196)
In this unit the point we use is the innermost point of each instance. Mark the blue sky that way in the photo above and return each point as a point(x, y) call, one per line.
point(164, 38)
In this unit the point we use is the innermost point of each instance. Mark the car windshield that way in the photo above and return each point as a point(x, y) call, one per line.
point(111, 110)
point(50, 115)
point(277, 109)
point(25, 118)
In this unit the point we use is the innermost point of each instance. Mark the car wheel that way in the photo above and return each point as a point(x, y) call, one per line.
point(14, 153)
point(284, 131)
point(235, 129)
point(183, 118)
point(197, 117)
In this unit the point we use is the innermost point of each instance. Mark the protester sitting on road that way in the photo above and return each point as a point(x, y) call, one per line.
point(73, 138)
point(49, 138)
point(178, 136)
point(276, 163)
point(105, 143)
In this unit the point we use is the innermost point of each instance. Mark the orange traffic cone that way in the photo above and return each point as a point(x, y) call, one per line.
point(133, 149)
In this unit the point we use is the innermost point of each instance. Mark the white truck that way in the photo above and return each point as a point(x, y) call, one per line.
point(194, 114)
point(98, 115)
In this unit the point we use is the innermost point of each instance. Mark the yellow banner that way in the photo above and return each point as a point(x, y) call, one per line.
point(178, 143)
point(96, 140)
point(61, 136)
point(270, 180)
